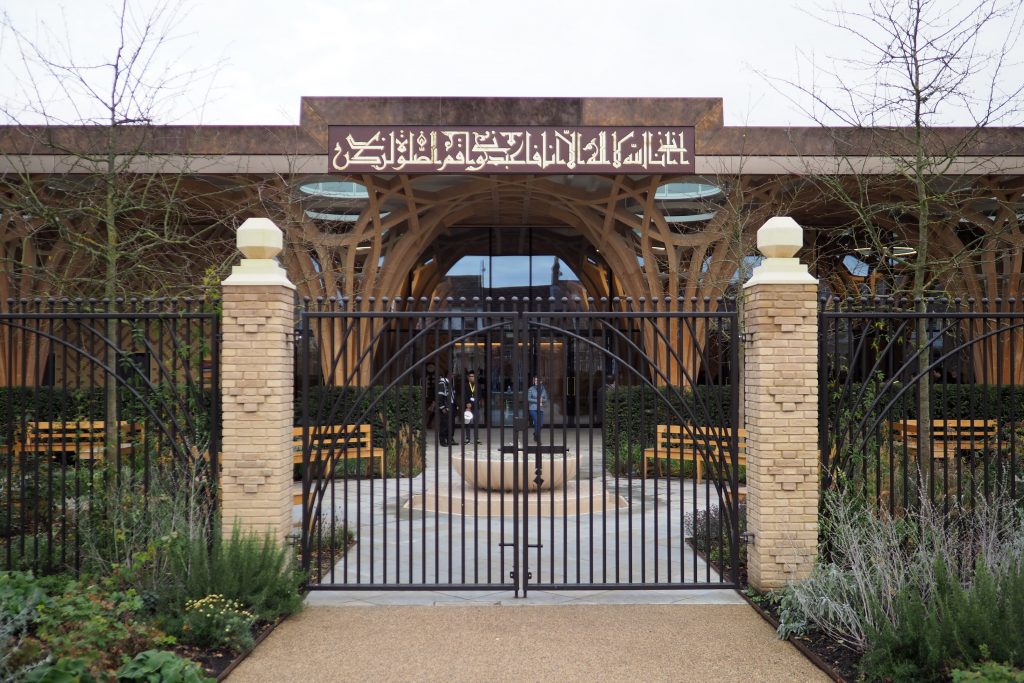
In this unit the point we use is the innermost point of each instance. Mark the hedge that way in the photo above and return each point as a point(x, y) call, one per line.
point(391, 408)
point(632, 414)
point(948, 401)
point(400, 406)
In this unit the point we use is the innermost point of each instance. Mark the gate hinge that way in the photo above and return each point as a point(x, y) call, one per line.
point(747, 537)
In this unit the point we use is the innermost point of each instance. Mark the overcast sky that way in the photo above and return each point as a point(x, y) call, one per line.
point(256, 59)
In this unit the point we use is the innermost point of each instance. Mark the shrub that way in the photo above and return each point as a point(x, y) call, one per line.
point(709, 533)
point(953, 624)
point(990, 672)
point(215, 622)
point(160, 666)
point(95, 623)
point(63, 670)
point(138, 526)
point(872, 558)
point(252, 570)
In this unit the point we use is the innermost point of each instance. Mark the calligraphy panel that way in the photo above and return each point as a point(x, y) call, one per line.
point(510, 149)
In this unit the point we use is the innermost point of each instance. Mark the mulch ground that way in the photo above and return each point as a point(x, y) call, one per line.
point(218, 663)
point(843, 662)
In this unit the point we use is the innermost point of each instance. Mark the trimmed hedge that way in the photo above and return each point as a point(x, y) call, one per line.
point(55, 403)
point(392, 409)
point(950, 401)
point(632, 416)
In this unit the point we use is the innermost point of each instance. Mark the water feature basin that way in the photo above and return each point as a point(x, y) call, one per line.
point(497, 473)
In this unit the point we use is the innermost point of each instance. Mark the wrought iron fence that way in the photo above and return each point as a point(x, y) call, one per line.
point(922, 399)
point(104, 408)
point(635, 453)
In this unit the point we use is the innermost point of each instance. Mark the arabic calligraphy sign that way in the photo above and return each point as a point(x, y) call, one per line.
point(510, 149)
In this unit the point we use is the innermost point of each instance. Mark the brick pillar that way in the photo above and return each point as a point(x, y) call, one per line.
point(257, 379)
point(781, 407)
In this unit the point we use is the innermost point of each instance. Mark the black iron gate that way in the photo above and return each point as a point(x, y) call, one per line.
point(625, 474)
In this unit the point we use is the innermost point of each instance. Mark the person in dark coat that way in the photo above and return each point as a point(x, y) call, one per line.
point(445, 409)
point(473, 400)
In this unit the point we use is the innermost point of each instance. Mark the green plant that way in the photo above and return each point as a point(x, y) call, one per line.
point(709, 534)
point(161, 666)
point(403, 452)
point(952, 625)
point(97, 624)
point(21, 594)
point(874, 557)
point(214, 621)
point(253, 570)
point(989, 672)
point(63, 670)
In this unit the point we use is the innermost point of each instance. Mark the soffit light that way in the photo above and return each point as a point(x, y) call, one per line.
point(686, 191)
point(336, 189)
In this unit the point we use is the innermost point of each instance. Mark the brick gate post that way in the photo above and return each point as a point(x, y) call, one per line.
point(257, 379)
point(781, 402)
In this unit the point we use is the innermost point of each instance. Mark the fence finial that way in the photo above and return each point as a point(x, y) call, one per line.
point(779, 239)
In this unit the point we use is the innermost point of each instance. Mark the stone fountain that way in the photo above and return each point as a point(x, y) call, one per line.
point(548, 486)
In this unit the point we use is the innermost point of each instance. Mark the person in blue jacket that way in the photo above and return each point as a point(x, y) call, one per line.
point(537, 399)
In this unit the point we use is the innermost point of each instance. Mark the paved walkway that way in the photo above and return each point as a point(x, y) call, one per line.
point(637, 534)
point(535, 641)
point(488, 635)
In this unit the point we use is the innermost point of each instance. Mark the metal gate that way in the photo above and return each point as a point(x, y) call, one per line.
point(592, 486)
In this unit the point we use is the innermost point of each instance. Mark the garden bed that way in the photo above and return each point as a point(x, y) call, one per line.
point(838, 661)
point(219, 663)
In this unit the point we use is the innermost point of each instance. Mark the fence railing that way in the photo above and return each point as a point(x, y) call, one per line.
point(106, 408)
point(922, 399)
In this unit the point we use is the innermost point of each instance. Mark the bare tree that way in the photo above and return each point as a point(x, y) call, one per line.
point(921, 208)
point(111, 216)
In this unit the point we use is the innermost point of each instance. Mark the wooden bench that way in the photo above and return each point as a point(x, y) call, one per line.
point(85, 440)
point(336, 443)
point(949, 437)
point(692, 443)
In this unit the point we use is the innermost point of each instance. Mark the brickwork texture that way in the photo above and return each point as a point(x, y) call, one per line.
point(781, 406)
point(257, 380)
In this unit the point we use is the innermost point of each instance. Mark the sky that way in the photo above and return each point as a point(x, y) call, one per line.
point(249, 62)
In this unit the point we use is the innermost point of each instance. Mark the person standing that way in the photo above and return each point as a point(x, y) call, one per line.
point(537, 398)
point(445, 409)
point(474, 402)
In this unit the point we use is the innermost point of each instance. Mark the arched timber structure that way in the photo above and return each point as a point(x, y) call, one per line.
point(394, 234)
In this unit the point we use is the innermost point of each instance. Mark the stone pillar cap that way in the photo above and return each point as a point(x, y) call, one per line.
point(259, 238)
point(779, 239)
point(260, 241)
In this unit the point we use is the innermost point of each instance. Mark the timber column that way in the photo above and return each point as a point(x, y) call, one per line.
point(257, 379)
point(781, 401)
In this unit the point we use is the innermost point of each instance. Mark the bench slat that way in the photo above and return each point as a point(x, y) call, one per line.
point(689, 443)
point(338, 442)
